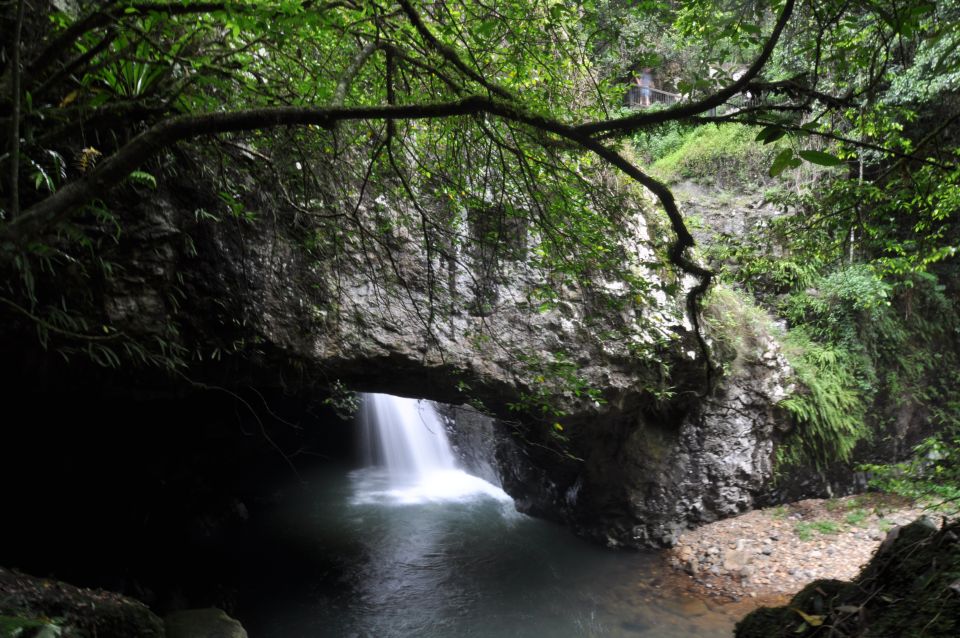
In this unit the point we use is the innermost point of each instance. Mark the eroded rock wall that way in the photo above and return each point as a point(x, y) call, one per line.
point(260, 305)
point(644, 474)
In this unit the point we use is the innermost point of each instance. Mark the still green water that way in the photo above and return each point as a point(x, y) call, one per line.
point(373, 563)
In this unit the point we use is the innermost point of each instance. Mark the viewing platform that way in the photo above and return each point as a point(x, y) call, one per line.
point(641, 97)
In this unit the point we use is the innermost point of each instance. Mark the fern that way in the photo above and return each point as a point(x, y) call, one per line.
point(143, 178)
point(829, 408)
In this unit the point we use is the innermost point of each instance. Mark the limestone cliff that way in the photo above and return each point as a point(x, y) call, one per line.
point(272, 298)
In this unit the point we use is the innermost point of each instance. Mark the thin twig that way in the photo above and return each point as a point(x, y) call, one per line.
point(16, 72)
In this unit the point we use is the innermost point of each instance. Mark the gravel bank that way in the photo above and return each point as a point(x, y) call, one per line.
point(774, 552)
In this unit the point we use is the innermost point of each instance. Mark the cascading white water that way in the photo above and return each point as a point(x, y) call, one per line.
point(409, 456)
point(405, 435)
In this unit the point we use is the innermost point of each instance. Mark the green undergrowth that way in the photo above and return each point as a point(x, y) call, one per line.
point(828, 402)
point(726, 156)
point(931, 474)
point(828, 407)
point(865, 345)
point(805, 529)
point(738, 327)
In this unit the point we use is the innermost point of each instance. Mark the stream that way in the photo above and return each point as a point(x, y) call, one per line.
point(375, 552)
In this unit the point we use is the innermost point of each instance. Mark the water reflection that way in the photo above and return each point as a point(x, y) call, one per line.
point(412, 546)
point(471, 567)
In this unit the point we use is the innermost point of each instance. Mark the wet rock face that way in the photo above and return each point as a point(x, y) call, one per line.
point(658, 476)
point(634, 470)
point(645, 475)
point(475, 438)
point(202, 623)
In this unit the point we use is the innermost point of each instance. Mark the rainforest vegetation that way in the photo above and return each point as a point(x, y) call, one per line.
point(519, 106)
point(476, 125)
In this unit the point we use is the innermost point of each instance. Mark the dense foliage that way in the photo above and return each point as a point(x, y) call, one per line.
point(468, 125)
point(862, 269)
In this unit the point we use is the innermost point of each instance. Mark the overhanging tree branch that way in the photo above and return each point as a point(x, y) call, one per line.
point(678, 249)
point(633, 122)
point(500, 102)
point(752, 121)
point(115, 169)
point(340, 93)
point(449, 53)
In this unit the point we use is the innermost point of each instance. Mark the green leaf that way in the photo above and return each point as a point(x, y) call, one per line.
point(770, 134)
point(812, 620)
point(782, 161)
point(821, 158)
point(142, 177)
point(486, 27)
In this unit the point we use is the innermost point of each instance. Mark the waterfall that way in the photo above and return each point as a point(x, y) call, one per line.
point(409, 459)
point(404, 435)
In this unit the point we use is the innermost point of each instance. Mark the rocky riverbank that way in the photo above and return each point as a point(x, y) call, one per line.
point(774, 552)
point(42, 607)
point(908, 589)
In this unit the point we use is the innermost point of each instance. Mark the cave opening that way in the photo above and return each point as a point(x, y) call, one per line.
point(179, 497)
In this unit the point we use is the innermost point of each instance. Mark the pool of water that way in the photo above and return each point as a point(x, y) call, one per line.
point(348, 554)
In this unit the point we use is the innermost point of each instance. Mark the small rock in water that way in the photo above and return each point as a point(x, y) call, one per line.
point(928, 522)
point(692, 607)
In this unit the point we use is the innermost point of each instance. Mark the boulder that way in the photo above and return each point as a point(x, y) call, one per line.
point(203, 623)
point(60, 609)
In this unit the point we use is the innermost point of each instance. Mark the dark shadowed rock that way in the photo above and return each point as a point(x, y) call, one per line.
point(31, 602)
point(203, 623)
